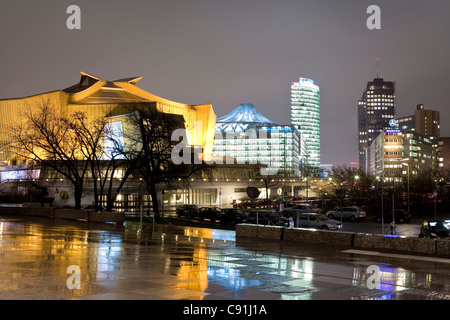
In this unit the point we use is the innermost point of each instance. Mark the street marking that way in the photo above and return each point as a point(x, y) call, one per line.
point(394, 255)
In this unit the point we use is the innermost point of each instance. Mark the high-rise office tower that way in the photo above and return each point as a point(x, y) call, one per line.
point(428, 122)
point(376, 109)
point(305, 113)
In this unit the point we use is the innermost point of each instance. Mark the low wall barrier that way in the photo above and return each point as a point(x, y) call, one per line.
point(338, 239)
point(259, 231)
point(60, 213)
point(412, 245)
point(404, 244)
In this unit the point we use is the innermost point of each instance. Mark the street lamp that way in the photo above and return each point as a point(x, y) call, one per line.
point(382, 209)
point(355, 182)
point(435, 197)
point(306, 172)
point(407, 165)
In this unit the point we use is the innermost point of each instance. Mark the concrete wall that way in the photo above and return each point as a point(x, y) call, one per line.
point(259, 232)
point(59, 213)
point(333, 238)
point(410, 245)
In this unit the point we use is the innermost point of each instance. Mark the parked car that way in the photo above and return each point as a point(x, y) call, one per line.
point(244, 204)
point(299, 208)
point(438, 228)
point(400, 216)
point(267, 217)
point(352, 213)
point(263, 203)
point(213, 214)
point(317, 221)
point(187, 210)
point(233, 216)
point(282, 202)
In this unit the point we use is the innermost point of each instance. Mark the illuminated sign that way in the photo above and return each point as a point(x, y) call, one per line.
point(393, 131)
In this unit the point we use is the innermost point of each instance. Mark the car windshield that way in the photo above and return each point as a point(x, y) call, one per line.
point(268, 214)
point(321, 217)
point(439, 224)
point(271, 214)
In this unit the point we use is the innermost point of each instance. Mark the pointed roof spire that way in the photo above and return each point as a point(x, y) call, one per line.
point(131, 80)
point(247, 113)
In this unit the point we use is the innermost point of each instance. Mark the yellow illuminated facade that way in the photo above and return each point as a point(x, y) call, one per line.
point(99, 99)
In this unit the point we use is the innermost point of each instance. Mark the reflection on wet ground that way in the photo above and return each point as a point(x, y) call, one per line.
point(137, 261)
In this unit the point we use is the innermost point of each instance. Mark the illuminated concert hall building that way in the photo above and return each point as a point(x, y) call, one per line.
point(97, 99)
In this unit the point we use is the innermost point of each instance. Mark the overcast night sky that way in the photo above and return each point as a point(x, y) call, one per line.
point(228, 52)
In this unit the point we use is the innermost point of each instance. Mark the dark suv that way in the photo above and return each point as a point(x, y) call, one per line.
point(435, 229)
point(400, 216)
point(210, 213)
point(268, 217)
point(233, 216)
point(188, 210)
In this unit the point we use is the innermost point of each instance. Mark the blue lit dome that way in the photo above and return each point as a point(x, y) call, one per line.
point(246, 113)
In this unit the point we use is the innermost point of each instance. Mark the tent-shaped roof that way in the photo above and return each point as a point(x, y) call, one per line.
point(245, 113)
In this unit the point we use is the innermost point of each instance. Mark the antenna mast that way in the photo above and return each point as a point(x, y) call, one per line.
point(377, 66)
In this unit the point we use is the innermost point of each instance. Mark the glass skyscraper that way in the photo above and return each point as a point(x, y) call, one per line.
point(305, 113)
point(376, 110)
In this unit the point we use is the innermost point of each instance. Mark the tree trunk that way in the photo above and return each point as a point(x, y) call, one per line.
point(154, 195)
point(78, 193)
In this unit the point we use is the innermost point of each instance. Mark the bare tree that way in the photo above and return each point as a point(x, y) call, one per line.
point(49, 139)
point(152, 145)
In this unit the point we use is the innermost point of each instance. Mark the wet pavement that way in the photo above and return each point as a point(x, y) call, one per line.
point(46, 259)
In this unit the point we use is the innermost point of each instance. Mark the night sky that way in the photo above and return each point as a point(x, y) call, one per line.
point(229, 52)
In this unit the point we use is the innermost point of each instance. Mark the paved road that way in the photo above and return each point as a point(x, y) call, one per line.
point(411, 229)
point(138, 262)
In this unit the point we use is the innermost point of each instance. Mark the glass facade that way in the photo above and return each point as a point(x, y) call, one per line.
point(305, 113)
point(394, 150)
point(276, 146)
point(246, 136)
point(376, 109)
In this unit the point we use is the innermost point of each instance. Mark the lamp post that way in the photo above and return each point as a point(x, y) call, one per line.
point(407, 165)
point(435, 197)
point(306, 172)
point(382, 209)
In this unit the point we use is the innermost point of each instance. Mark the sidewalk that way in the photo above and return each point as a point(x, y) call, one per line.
point(131, 262)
